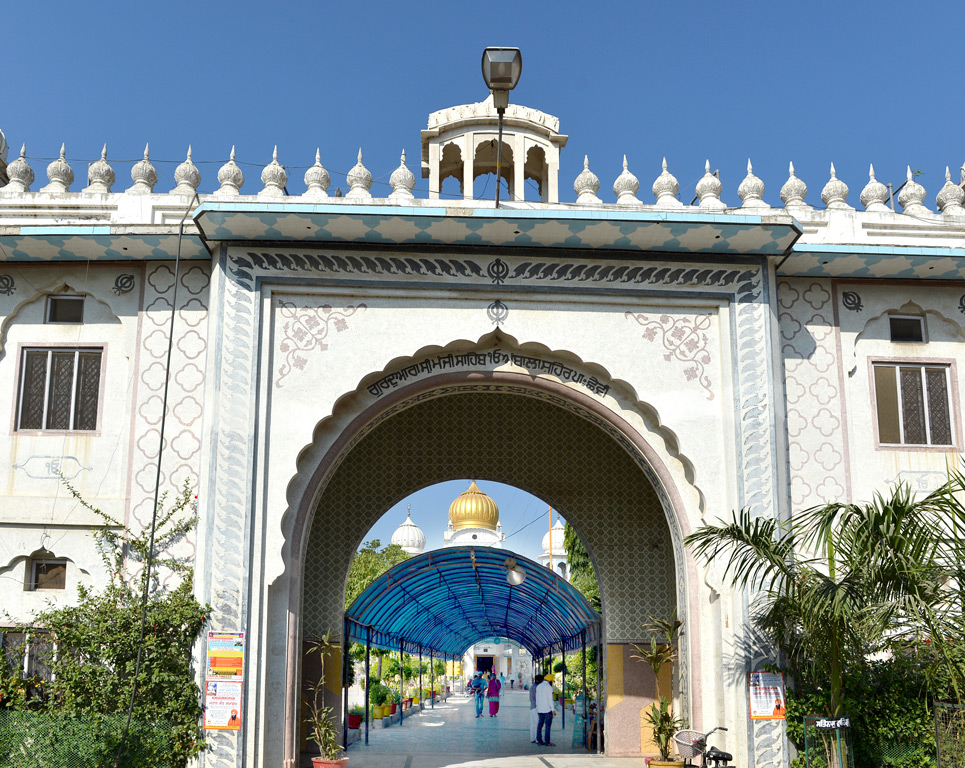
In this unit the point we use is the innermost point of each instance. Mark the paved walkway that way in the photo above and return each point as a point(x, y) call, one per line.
point(450, 735)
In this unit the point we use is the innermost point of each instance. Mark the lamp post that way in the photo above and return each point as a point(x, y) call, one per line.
point(501, 68)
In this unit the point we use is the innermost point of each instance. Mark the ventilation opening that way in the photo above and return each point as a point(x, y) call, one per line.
point(907, 329)
point(65, 309)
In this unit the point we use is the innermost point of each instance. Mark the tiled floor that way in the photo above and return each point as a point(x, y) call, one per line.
point(450, 736)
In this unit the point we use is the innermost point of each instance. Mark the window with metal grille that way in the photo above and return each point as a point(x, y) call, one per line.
point(59, 389)
point(913, 404)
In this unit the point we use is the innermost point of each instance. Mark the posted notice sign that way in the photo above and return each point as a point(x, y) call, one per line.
point(224, 681)
point(766, 694)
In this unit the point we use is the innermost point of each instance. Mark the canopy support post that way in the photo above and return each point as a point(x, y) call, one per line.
point(421, 690)
point(599, 698)
point(585, 704)
point(345, 663)
point(368, 649)
point(432, 683)
point(563, 683)
point(401, 682)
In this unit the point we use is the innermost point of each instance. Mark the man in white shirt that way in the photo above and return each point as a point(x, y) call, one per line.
point(544, 708)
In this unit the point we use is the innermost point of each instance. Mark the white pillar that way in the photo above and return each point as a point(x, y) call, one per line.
point(468, 155)
point(519, 171)
point(434, 159)
point(551, 189)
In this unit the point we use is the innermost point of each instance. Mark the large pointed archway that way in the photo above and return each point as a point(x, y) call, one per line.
point(542, 437)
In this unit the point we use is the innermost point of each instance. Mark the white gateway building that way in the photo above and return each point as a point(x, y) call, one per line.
point(641, 364)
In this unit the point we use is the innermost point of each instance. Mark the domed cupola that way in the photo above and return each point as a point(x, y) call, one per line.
point(555, 537)
point(409, 536)
point(473, 509)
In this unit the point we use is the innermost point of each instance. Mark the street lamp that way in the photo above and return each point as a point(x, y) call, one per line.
point(501, 68)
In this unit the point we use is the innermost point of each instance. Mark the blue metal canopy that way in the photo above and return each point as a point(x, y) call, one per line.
point(448, 599)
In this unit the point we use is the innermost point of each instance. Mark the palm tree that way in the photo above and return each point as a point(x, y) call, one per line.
point(843, 581)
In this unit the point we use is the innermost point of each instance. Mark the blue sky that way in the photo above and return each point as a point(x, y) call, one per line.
point(816, 82)
point(524, 517)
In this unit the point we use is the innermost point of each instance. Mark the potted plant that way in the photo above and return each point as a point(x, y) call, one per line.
point(321, 719)
point(663, 723)
point(355, 715)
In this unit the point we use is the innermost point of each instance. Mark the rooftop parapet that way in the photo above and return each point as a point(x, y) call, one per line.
point(887, 213)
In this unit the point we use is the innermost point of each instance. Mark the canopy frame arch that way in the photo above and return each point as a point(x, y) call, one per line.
point(543, 612)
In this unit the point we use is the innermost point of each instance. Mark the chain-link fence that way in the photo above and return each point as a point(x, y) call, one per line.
point(950, 735)
point(33, 740)
point(827, 742)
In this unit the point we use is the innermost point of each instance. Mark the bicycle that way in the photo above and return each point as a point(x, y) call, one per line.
point(691, 743)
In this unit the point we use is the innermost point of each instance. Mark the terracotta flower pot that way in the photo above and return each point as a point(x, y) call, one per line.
point(394, 708)
point(354, 721)
point(321, 762)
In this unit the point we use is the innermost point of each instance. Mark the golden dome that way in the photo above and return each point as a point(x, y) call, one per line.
point(473, 509)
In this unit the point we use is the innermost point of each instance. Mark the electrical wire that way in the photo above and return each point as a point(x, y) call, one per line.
point(157, 490)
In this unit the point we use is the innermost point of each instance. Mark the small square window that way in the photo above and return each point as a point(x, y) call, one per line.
point(907, 329)
point(48, 574)
point(65, 309)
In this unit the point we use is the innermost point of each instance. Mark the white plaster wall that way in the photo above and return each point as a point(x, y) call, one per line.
point(865, 335)
point(827, 344)
point(114, 465)
point(325, 343)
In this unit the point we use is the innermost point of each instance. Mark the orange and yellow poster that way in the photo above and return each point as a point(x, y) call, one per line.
point(224, 681)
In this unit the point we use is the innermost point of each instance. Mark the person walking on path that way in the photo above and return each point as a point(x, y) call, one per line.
point(544, 708)
point(533, 714)
point(493, 694)
point(502, 680)
point(478, 689)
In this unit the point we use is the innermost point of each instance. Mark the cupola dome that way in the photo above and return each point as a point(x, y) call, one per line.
point(555, 537)
point(409, 536)
point(473, 509)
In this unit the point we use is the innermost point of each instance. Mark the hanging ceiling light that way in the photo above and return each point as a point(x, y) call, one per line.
point(515, 575)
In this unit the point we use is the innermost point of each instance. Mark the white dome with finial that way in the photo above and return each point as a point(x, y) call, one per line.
point(708, 190)
point(586, 185)
point(187, 177)
point(554, 537)
point(409, 536)
point(21, 175)
point(626, 187)
point(665, 189)
point(273, 177)
point(912, 197)
point(60, 174)
point(230, 177)
point(751, 190)
point(317, 179)
point(835, 192)
point(949, 198)
point(100, 176)
point(402, 182)
point(143, 175)
point(359, 180)
point(794, 190)
point(874, 196)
